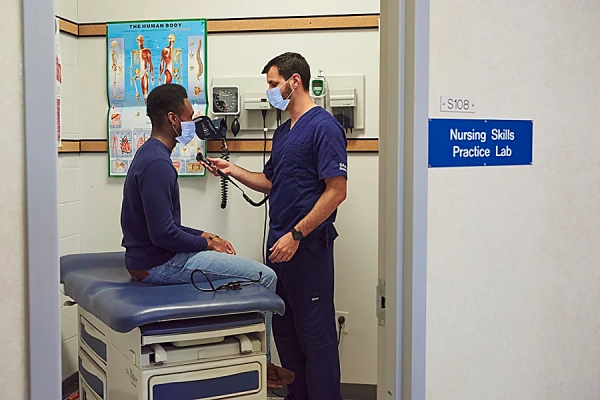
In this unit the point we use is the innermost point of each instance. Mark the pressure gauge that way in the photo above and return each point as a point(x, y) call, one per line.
point(226, 100)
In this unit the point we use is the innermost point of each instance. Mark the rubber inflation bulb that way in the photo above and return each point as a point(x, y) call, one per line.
point(235, 127)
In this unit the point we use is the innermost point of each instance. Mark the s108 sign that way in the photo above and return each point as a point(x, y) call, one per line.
point(479, 142)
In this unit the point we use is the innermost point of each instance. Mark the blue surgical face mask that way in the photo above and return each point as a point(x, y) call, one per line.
point(188, 131)
point(275, 98)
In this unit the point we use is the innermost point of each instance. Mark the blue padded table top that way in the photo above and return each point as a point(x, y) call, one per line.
point(100, 283)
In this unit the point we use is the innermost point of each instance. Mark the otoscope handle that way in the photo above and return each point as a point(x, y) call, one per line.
point(200, 157)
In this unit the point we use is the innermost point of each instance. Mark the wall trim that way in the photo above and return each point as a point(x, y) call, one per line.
point(231, 25)
point(68, 26)
point(234, 145)
point(69, 146)
point(259, 24)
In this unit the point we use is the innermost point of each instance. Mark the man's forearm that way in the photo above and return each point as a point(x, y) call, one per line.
point(325, 206)
point(192, 231)
point(254, 180)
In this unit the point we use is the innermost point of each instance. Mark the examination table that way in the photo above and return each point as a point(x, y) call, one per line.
point(146, 342)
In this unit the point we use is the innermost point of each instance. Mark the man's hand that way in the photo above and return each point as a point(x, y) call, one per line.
point(218, 163)
point(217, 244)
point(254, 180)
point(228, 245)
point(284, 249)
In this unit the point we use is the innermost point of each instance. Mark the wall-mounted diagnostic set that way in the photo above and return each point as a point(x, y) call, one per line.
point(245, 99)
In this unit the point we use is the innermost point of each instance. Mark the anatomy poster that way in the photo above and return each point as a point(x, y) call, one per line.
point(142, 56)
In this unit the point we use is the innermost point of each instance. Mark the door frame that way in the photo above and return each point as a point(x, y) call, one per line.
point(403, 185)
point(41, 161)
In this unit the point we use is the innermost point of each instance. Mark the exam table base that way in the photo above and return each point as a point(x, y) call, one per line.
point(222, 364)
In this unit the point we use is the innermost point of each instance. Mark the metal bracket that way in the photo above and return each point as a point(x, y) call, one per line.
point(381, 302)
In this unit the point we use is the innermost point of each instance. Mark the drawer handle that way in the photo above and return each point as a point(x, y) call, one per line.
point(91, 330)
point(245, 344)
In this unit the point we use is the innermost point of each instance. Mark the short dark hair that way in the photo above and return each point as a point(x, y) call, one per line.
point(289, 64)
point(164, 99)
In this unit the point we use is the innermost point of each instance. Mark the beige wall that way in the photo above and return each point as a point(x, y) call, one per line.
point(14, 371)
point(513, 277)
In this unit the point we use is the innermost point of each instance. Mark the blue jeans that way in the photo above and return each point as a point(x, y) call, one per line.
point(178, 270)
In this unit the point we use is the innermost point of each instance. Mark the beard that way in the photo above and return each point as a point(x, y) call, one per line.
point(287, 91)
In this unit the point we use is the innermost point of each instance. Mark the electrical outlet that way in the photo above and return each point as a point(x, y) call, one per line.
point(344, 314)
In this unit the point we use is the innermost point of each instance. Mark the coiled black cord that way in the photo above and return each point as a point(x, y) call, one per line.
point(200, 157)
point(224, 183)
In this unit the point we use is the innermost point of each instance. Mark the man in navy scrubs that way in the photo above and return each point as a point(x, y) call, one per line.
point(306, 182)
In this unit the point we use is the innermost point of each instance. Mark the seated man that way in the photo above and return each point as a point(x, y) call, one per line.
point(158, 249)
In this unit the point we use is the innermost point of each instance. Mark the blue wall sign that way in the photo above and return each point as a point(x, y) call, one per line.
point(480, 142)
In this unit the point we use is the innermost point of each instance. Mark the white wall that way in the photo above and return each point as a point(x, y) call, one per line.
point(69, 220)
point(68, 173)
point(14, 370)
point(69, 205)
point(90, 11)
point(339, 53)
point(245, 55)
point(67, 9)
point(70, 85)
point(513, 277)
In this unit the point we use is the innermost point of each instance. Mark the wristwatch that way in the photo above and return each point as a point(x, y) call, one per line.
point(296, 234)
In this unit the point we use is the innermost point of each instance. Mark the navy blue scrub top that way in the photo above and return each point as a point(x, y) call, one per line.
point(301, 158)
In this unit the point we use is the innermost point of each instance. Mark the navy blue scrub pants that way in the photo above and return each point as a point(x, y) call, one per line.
point(305, 335)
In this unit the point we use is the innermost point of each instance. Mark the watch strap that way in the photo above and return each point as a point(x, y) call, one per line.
point(296, 234)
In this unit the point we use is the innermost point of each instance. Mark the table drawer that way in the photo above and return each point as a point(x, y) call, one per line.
point(93, 338)
point(92, 376)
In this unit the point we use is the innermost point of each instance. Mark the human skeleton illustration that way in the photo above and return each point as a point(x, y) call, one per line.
point(197, 55)
point(141, 67)
point(171, 63)
point(199, 60)
point(115, 67)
